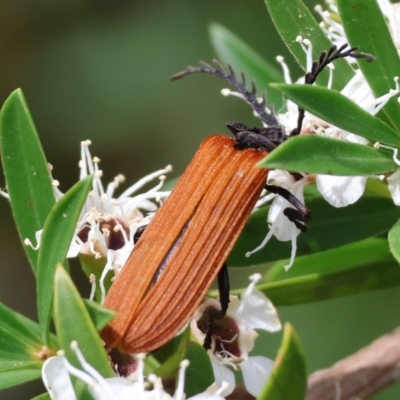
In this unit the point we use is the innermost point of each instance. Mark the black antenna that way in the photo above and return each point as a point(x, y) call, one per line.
point(251, 96)
point(259, 106)
point(317, 67)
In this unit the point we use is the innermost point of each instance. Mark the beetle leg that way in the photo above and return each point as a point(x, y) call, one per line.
point(299, 214)
point(138, 233)
point(223, 288)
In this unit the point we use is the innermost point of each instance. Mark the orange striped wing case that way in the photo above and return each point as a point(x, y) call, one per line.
point(188, 240)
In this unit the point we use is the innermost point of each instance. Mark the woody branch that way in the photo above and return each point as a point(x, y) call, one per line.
point(360, 375)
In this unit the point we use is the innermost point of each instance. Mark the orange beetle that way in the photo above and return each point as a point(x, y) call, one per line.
point(187, 242)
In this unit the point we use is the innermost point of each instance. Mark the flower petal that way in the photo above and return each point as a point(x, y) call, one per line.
point(258, 312)
point(207, 395)
point(281, 225)
point(56, 379)
point(256, 370)
point(123, 388)
point(340, 191)
point(223, 374)
point(394, 187)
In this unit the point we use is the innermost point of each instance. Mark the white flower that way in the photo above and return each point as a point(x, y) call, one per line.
point(339, 191)
point(280, 226)
point(358, 91)
point(107, 223)
point(393, 179)
point(233, 337)
point(394, 186)
point(334, 29)
point(57, 372)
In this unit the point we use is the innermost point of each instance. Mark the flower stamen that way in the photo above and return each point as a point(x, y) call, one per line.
point(306, 45)
point(179, 392)
point(139, 184)
point(4, 194)
point(396, 160)
point(285, 69)
point(92, 281)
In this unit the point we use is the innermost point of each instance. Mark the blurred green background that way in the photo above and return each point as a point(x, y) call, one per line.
point(99, 70)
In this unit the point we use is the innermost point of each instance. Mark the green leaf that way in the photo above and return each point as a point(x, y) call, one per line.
point(170, 355)
point(21, 326)
point(27, 175)
point(242, 57)
point(14, 351)
point(199, 375)
point(370, 251)
point(366, 28)
point(58, 232)
point(376, 186)
point(18, 376)
point(346, 271)
point(338, 110)
point(19, 337)
point(14, 365)
point(43, 396)
point(73, 323)
point(99, 315)
point(394, 240)
point(288, 379)
point(328, 228)
point(292, 18)
point(15, 347)
point(312, 288)
point(320, 155)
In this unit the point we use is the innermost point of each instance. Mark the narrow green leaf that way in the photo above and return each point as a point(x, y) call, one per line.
point(338, 110)
point(292, 18)
point(43, 396)
point(20, 337)
point(21, 326)
point(376, 186)
point(16, 377)
point(16, 353)
point(58, 231)
point(288, 379)
point(199, 375)
point(16, 346)
point(314, 287)
point(332, 274)
point(170, 355)
point(370, 251)
point(328, 228)
point(73, 323)
point(14, 365)
point(394, 241)
point(25, 168)
point(99, 315)
point(320, 155)
point(365, 27)
point(232, 50)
